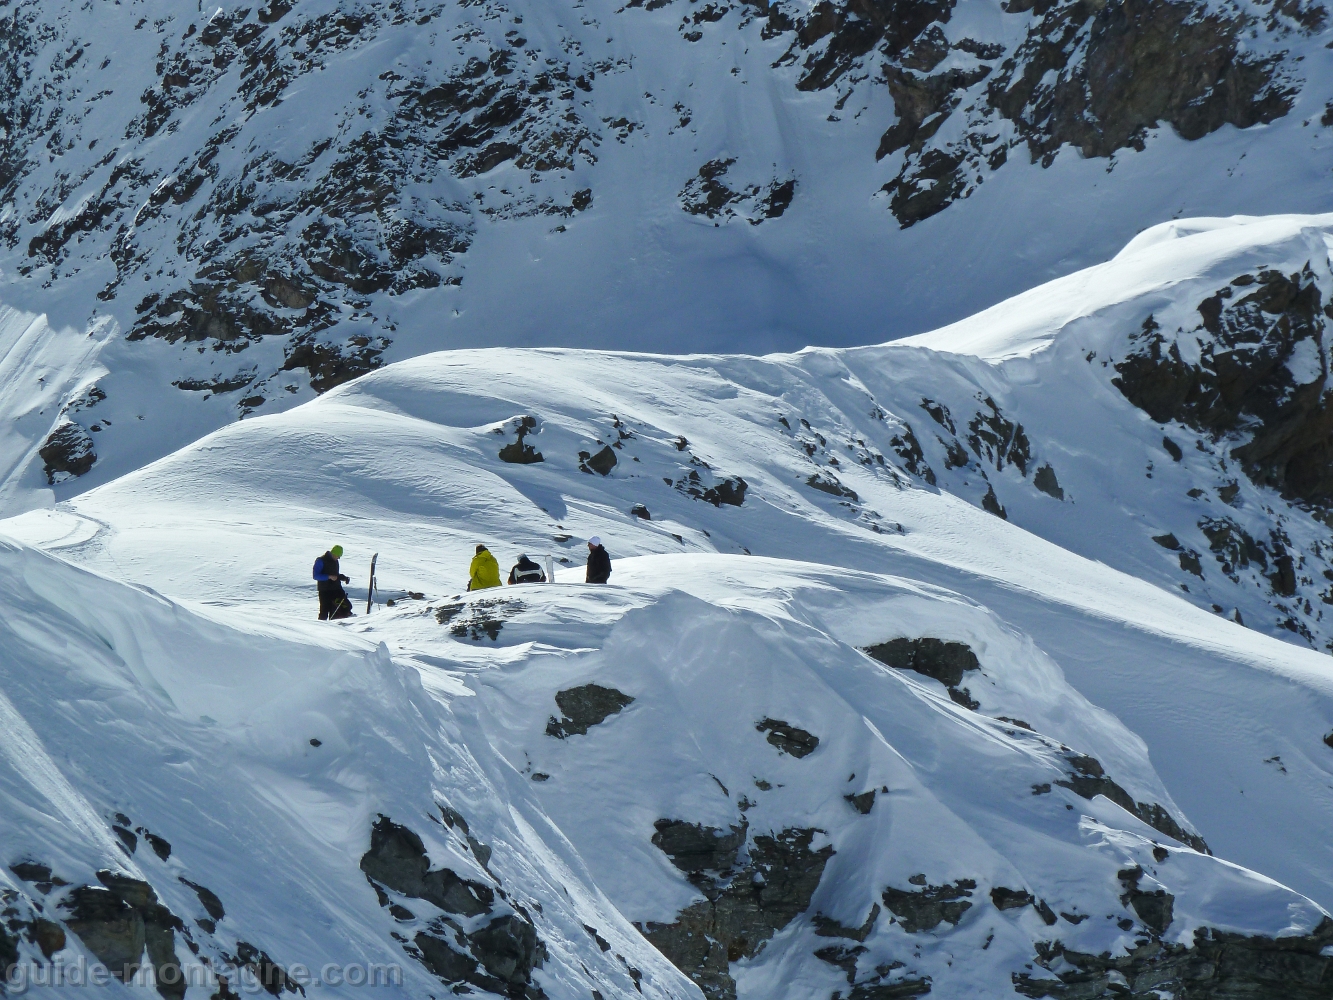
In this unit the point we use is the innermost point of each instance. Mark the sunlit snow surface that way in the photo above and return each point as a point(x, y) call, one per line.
point(190, 707)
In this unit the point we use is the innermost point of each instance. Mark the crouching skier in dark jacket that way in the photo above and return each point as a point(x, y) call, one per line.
point(526, 571)
point(333, 600)
point(599, 562)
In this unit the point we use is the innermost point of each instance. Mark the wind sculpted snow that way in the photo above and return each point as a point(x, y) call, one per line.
point(726, 757)
point(269, 792)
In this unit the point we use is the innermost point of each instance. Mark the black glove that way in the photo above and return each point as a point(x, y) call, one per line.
point(344, 579)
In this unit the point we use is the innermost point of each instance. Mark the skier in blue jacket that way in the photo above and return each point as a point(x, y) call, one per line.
point(333, 600)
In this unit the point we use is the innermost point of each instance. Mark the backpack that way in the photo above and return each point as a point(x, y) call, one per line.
point(526, 571)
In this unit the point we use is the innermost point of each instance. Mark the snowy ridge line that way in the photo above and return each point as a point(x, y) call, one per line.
point(272, 199)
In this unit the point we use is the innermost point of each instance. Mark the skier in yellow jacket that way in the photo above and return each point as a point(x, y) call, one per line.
point(484, 571)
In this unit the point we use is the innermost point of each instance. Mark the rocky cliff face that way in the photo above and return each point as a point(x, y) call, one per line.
point(1094, 76)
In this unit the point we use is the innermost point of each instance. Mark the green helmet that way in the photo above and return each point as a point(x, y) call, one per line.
point(336, 552)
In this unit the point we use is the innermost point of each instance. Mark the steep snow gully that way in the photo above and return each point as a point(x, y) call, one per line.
point(922, 669)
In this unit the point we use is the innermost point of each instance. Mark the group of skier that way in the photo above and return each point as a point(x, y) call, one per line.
point(483, 574)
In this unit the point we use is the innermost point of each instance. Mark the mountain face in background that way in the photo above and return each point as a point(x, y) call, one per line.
point(269, 199)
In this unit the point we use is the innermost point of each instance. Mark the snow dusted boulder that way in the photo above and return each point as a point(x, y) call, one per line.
point(67, 451)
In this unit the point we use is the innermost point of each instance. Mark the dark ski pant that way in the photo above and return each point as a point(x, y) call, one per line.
point(333, 601)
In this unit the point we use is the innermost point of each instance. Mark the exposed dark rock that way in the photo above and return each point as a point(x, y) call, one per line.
point(108, 927)
point(452, 818)
point(208, 899)
point(991, 504)
point(601, 463)
point(838, 35)
point(602, 942)
point(330, 365)
point(788, 739)
point(1185, 64)
point(1246, 384)
point(1172, 449)
point(843, 957)
point(498, 957)
point(1089, 780)
point(48, 935)
point(828, 927)
point(444, 961)
point(1218, 966)
point(862, 802)
point(730, 490)
point(161, 847)
point(1065, 84)
point(897, 989)
point(516, 451)
point(397, 860)
point(67, 451)
point(997, 439)
point(508, 949)
point(216, 385)
point(741, 914)
point(827, 483)
point(946, 662)
point(962, 696)
point(694, 848)
point(9, 948)
point(485, 617)
point(583, 707)
point(931, 905)
point(128, 838)
point(118, 922)
point(709, 195)
point(1010, 899)
point(1167, 541)
point(940, 414)
point(42, 877)
point(266, 972)
point(1154, 906)
point(641, 512)
point(914, 459)
point(1044, 479)
point(1235, 550)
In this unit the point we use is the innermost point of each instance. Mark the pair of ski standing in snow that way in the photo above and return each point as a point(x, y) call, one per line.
point(483, 574)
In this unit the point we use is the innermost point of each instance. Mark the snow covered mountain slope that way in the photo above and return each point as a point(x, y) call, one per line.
point(537, 787)
point(754, 507)
point(209, 793)
point(1164, 413)
point(265, 200)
